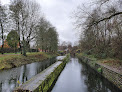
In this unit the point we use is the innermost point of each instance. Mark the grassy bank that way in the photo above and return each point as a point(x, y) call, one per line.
point(113, 63)
point(15, 60)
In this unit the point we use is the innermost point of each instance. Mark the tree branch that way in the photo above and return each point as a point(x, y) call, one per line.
point(115, 14)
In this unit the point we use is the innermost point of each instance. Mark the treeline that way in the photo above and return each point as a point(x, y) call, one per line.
point(102, 29)
point(25, 18)
point(47, 37)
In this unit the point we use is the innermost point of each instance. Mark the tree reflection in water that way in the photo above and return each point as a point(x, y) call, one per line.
point(95, 82)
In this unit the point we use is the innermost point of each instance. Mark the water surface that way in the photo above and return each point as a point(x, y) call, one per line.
point(9, 78)
point(78, 77)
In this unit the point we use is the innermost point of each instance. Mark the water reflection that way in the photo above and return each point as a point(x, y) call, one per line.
point(78, 77)
point(9, 78)
point(95, 82)
point(70, 79)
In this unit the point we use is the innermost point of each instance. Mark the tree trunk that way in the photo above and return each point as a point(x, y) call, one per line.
point(24, 47)
point(2, 39)
point(19, 39)
point(15, 48)
point(42, 49)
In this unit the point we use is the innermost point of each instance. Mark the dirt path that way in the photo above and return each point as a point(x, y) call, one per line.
point(117, 69)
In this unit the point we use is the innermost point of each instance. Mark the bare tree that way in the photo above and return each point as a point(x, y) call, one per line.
point(102, 29)
point(15, 8)
point(25, 15)
point(3, 21)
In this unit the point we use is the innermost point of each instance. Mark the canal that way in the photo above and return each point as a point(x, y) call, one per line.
point(78, 77)
point(9, 79)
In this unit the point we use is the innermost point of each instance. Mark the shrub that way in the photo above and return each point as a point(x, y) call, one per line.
point(99, 70)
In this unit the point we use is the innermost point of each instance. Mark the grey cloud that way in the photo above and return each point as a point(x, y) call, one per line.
point(58, 12)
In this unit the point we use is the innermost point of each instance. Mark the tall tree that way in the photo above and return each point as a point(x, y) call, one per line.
point(15, 8)
point(47, 37)
point(101, 29)
point(52, 39)
point(41, 34)
point(13, 39)
point(25, 15)
point(3, 21)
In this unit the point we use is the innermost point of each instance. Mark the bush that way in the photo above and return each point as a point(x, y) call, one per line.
point(99, 70)
point(9, 50)
point(12, 50)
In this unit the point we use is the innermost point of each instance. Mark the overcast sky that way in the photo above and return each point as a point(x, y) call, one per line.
point(59, 13)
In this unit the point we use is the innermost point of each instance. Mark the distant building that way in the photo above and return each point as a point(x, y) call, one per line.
point(5, 44)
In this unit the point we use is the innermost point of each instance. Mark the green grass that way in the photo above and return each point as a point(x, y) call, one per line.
point(14, 60)
point(112, 62)
point(66, 59)
point(88, 56)
point(6, 57)
point(12, 53)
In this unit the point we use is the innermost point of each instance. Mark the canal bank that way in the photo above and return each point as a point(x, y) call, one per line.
point(79, 77)
point(11, 78)
point(44, 81)
point(110, 74)
point(15, 60)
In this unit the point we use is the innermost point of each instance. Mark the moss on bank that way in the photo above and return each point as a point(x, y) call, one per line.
point(11, 61)
point(49, 82)
point(108, 68)
point(110, 62)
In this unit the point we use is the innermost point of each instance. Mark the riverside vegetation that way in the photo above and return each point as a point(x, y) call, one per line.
point(101, 33)
point(110, 69)
point(21, 23)
point(16, 60)
point(112, 63)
